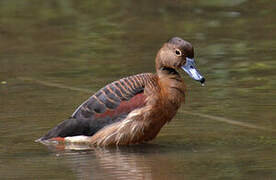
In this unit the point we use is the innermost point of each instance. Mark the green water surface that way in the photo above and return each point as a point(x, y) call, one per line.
point(48, 48)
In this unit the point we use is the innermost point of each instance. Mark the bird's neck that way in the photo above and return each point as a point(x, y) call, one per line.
point(171, 85)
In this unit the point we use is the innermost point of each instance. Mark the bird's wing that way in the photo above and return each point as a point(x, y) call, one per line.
point(110, 104)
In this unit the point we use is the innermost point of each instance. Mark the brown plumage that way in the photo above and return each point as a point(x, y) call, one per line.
point(134, 109)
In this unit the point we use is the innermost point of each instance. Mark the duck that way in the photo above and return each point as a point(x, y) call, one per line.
point(133, 109)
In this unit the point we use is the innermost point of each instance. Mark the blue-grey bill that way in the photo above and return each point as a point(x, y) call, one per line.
point(191, 70)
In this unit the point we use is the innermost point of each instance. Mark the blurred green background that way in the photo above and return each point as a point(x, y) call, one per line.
point(87, 44)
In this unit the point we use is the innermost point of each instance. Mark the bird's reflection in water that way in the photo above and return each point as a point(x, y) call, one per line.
point(145, 161)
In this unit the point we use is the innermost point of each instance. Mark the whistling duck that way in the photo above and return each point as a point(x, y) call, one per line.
point(133, 109)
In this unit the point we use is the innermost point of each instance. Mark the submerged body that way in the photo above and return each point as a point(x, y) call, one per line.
point(134, 109)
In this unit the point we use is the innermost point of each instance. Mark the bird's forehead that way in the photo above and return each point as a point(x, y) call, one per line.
point(183, 45)
point(176, 40)
point(180, 43)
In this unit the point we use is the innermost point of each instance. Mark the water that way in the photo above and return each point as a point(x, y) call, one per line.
point(53, 53)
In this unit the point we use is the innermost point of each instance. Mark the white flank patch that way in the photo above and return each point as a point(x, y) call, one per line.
point(77, 139)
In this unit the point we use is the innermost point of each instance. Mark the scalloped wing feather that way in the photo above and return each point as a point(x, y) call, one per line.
point(109, 105)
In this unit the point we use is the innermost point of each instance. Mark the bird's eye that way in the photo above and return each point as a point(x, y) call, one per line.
point(178, 52)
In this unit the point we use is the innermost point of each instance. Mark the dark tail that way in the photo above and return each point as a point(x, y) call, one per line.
point(70, 127)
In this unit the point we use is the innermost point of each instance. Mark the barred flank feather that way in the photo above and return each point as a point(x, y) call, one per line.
point(128, 131)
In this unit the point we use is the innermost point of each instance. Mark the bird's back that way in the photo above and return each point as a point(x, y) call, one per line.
point(109, 105)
